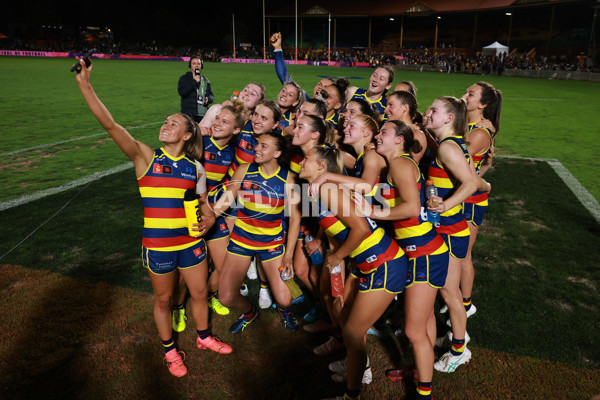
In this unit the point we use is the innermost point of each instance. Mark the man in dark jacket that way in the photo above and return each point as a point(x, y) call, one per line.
point(195, 91)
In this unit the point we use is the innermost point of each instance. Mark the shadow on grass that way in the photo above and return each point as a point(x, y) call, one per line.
point(93, 337)
point(50, 336)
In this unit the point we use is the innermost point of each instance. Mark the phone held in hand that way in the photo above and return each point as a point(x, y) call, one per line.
point(86, 58)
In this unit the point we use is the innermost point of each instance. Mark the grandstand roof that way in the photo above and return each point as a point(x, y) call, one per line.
point(355, 8)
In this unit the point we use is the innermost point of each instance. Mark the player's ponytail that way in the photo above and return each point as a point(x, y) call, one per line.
point(193, 146)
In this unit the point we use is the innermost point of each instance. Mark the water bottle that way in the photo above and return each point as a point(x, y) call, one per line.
point(295, 291)
point(191, 205)
point(316, 257)
point(337, 284)
point(431, 190)
point(235, 95)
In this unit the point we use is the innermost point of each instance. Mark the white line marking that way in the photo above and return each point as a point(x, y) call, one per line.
point(45, 146)
point(44, 223)
point(582, 194)
point(78, 182)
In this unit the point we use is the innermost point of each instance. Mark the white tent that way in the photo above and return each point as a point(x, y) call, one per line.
point(494, 49)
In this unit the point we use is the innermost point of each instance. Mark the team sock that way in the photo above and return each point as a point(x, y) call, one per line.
point(250, 314)
point(211, 295)
point(424, 391)
point(168, 345)
point(180, 306)
point(284, 310)
point(467, 303)
point(263, 284)
point(203, 334)
point(458, 346)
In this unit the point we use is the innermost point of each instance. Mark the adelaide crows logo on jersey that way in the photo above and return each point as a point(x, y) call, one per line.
point(249, 185)
point(163, 169)
point(246, 145)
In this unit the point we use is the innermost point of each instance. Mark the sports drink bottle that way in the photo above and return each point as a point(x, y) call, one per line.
point(337, 284)
point(316, 257)
point(288, 278)
point(431, 190)
point(193, 215)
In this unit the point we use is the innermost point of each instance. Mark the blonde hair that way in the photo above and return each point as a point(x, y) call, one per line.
point(333, 158)
point(369, 123)
point(458, 108)
point(193, 146)
point(238, 108)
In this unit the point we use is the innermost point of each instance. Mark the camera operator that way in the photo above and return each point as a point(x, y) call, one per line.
point(195, 91)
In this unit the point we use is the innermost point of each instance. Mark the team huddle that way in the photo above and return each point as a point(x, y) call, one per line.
point(339, 180)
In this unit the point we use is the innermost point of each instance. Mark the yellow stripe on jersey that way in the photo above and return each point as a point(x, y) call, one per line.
point(257, 230)
point(165, 223)
point(369, 242)
point(162, 192)
point(453, 211)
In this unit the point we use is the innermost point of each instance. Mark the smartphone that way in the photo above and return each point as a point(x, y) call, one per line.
point(86, 58)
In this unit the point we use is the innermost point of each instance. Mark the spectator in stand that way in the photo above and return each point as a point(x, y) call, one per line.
point(195, 90)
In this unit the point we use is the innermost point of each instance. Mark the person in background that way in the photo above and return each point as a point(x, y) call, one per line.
point(282, 72)
point(195, 90)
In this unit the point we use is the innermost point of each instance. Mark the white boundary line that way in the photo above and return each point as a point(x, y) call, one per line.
point(45, 146)
point(584, 196)
point(70, 185)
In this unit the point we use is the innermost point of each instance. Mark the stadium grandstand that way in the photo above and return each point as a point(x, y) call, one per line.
point(559, 30)
point(451, 35)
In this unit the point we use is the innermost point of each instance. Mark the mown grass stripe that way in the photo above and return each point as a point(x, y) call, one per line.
point(47, 145)
point(582, 194)
point(70, 185)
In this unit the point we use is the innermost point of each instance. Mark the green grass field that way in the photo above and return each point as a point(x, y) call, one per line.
point(540, 118)
point(75, 303)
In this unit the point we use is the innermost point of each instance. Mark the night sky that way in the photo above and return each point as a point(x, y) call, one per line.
point(171, 21)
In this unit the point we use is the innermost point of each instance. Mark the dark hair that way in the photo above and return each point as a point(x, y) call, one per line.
point(401, 129)
point(237, 108)
point(334, 159)
point(283, 146)
point(340, 86)
point(273, 106)
point(458, 108)
point(325, 129)
point(390, 71)
point(492, 99)
point(366, 108)
point(320, 106)
point(199, 58)
point(407, 98)
point(193, 146)
point(412, 89)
